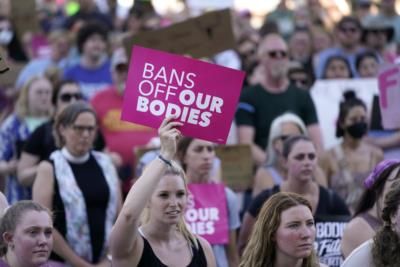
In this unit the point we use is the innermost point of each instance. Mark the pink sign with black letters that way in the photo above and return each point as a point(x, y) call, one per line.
point(389, 96)
point(202, 95)
point(207, 214)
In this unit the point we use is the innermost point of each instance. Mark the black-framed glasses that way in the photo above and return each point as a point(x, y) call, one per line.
point(66, 97)
point(302, 156)
point(80, 129)
point(277, 54)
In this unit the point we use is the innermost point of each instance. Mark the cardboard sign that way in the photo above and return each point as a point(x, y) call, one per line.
point(389, 90)
point(236, 165)
point(327, 95)
point(329, 232)
point(199, 37)
point(206, 214)
point(24, 17)
point(202, 95)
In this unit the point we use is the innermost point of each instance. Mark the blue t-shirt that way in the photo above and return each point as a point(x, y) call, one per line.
point(90, 80)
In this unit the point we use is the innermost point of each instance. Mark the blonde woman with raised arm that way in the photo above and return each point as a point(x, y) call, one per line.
point(150, 229)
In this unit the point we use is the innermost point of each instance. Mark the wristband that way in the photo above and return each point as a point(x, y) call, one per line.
point(165, 160)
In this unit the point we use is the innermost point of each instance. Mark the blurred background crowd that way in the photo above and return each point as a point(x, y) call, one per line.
point(62, 51)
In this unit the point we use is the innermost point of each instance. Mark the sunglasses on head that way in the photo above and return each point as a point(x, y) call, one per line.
point(66, 97)
point(302, 156)
point(277, 53)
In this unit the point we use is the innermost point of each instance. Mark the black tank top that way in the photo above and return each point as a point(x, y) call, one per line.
point(150, 259)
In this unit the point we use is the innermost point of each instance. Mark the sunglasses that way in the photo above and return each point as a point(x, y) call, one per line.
point(68, 96)
point(277, 54)
point(349, 29)
point(283, 137)
point(80, 129)
point(302, 156)
point(299, 81)
point(120, 68)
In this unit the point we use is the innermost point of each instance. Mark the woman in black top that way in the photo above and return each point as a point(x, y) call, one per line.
point(156, 203)
point(81, 187)
point(41, 143)
point(301, 161)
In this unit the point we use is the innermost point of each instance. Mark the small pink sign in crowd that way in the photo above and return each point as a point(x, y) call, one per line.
point(206, 213)
point(202, 95)
point(389, 92)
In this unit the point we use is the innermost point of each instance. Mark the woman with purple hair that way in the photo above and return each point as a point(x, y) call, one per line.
point(367, 215)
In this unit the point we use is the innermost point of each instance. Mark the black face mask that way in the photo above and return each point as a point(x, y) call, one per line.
point(357, 130)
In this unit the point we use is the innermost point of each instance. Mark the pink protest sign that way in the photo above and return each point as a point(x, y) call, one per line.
point(389, 91)
point(202, 95)
point(206, 214)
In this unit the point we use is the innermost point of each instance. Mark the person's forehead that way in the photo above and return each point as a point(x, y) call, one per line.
point(273, 42)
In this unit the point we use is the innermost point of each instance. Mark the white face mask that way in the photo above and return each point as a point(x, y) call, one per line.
point(5, 37)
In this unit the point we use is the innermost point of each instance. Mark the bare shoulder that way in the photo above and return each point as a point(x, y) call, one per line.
point(207, 251)
point(355, 233)
point(376, 152)
point(355, 225)
point(45, 167)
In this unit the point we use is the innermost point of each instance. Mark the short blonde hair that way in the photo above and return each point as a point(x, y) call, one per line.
point(22, 103)
point(276, 130)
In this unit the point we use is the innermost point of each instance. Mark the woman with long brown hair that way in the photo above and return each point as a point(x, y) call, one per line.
point(283, 234)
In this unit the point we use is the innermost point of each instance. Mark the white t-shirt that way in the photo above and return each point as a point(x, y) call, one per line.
point(361, 256)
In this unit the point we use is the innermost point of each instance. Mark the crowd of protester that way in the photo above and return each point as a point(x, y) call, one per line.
point(80, 194)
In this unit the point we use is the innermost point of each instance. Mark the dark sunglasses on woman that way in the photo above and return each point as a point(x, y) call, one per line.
point(66, 97)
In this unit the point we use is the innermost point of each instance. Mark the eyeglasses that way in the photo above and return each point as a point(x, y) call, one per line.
point(121, 68)
point(349, 29)
point(302, 156)
point(66, 97)
point(283, 137)
point(302, 82)
point(80, 129)
point(277, 54)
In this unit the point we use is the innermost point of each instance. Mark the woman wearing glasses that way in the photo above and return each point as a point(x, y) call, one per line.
point(301, 160)
point(41, 143)
point(81, 187)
